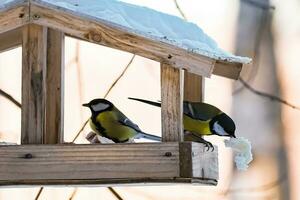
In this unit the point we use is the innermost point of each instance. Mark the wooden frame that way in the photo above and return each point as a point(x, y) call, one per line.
point(40, 28)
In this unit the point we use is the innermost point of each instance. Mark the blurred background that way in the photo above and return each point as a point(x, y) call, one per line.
point(267, 31)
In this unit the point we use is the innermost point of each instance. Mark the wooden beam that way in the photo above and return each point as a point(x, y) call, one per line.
point(171, 103)
point(55, 87)
point(111, 35)
point(193, 87)
point(228, 70)
point(13, 15)
point(106, 164)
point(33, 84)
point(10, 39)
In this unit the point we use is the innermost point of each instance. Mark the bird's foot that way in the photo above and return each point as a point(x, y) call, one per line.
point(208, 145)
point(190, 136)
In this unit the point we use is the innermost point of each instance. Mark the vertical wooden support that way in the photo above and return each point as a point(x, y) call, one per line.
point(55, 88)
point(171, 103)
point(33, 84)
point(193, 87)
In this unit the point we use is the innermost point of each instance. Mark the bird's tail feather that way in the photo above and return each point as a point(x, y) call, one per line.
point(147, 136)
point(158, 104)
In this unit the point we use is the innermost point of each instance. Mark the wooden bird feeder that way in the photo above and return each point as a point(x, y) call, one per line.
point(39, 26)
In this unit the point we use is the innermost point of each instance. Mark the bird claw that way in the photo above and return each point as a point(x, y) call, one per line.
point(196, 138)
point(209, 146)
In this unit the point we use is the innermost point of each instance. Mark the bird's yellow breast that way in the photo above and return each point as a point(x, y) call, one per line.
point(113, 128)
point(196, 126)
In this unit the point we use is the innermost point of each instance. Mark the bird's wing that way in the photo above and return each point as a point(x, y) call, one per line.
point(195, 110)
point(200, 111)
point(127, 122)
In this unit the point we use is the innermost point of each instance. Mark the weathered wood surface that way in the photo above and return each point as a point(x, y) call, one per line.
point(193, 87)
point(10, 39)
point(55, 87)
point(13, 15)
point(229, 70)
point(101, 32)
point(33, 84)
point(171, 103)
point(103, 164)
point(196, 161)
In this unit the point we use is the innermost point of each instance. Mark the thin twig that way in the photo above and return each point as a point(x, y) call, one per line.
point(116, 194)
point(73, 194)
point(269, 96)
point(179, 9)
point(120, 76)
point(81, 129)
point(10, 98)
point(39, 193)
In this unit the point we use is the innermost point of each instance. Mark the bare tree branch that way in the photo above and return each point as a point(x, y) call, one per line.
point(10, 98)
point(269, 96)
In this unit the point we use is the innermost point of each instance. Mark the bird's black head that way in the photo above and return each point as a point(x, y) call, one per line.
point(222, 125)
point(99, 105)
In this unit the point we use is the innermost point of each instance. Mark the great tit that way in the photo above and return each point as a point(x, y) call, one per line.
point(109, 122)
point(202, 119)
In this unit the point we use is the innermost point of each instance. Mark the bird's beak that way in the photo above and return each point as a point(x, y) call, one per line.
point(233, 136)
point(86, 105)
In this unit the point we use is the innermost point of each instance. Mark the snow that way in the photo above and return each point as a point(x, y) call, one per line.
point(242, 152)
point(4, 3)
point(149, 23)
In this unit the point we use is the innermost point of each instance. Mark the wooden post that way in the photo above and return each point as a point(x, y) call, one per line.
point(193, 87)
point(55, 88)
point(33, 84)
point(171, 103)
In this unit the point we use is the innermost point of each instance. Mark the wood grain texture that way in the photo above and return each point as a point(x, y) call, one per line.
point(228, 70)
point(10, 39)
point(171, 103)
point(196, 161)
point(204, 163)
point(98, 164)
point(193, 87)
point(111, 35)
point(33, 84)
point(13, 15)
point(55, 87)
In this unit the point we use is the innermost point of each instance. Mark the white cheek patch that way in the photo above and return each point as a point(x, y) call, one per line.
point(219, 129)
point(100, 107)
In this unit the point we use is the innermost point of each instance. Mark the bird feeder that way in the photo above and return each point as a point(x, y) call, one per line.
point(40, 26)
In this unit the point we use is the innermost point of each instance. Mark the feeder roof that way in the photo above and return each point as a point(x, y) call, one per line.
point(170, 36)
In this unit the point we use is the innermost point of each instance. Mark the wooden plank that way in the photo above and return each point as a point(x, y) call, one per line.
point(13, 15)
point(171, 103)
point(193, 87)
point(55, 87)
point(228, 70)
point(10, 39)
point(33, 84)
point(98, 164)
point(111, 35)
